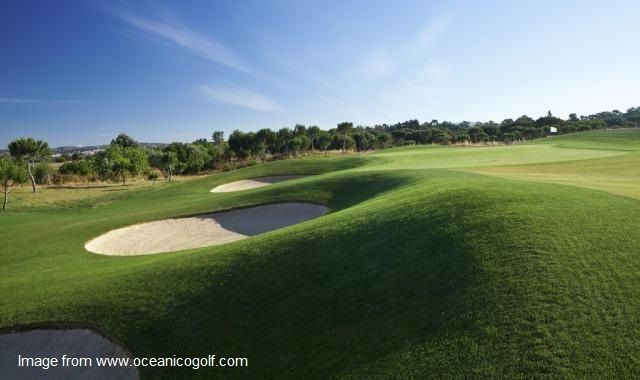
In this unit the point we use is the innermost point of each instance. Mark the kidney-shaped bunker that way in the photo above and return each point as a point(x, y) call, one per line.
point(253, 183)
point(29, 354)
point(203, 230)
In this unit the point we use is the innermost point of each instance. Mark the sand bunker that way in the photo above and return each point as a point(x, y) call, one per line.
point(203, 230)
point(54, 343)
point(253, 183)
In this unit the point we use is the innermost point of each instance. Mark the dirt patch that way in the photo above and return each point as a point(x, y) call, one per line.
point(203, 230)
point(253, 183)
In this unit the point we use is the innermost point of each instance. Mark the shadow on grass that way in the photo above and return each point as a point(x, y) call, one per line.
point(318, 302)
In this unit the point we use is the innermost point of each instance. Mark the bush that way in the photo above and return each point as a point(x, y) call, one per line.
point(42, 173)
point(82, 168)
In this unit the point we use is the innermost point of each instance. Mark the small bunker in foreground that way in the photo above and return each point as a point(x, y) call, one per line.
point(29, 353)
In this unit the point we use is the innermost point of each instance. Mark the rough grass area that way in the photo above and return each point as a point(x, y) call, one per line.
point(435, 262)
point(81, 195)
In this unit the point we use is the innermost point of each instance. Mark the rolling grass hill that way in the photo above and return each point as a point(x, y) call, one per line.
point(511, 261)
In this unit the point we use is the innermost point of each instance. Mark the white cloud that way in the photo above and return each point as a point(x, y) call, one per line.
point(241, 97)
point(207, 48)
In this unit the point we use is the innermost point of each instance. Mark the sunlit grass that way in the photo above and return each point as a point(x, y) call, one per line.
point(617, 175)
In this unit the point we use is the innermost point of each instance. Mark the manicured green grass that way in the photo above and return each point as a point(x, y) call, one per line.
point(615, 139)
point(423, 268)
point(427, 157)
point(618, 175)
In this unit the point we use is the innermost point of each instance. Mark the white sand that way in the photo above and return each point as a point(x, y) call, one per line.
point(202, 231)
point(48, 343)
point(253, 183)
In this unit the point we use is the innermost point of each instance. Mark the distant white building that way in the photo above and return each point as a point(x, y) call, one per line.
point(553, 129)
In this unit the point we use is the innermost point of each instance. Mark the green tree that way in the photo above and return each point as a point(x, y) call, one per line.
point(197, 157)
point(531, 132)
point(462, 138)
point(240, 143)
point(29, 151)
point(125, 141)
point(299, 130)
point(218, 137)
point(165, 161)
point(344, 141)
point(265, 141)
point(344, 128)
point(295, 145)
point(12, 173)
point(362, 143)
point(282, 140)
point(169, 161)
point(491, 129)
point(383, 139)
point(313, 132)
point(324, 141)
point(475, 133)
point(120, 162)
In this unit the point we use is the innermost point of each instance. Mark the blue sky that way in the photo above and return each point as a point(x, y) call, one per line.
point(79, 72)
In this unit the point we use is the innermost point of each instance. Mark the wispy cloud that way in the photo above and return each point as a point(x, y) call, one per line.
point(185, 38)
point(238, 96)
point(434, 30)
point(376, 63)
point(38, 101)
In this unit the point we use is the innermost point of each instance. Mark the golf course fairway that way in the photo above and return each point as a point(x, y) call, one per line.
point(499, 261)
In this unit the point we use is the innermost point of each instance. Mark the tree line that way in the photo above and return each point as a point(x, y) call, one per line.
point(29, 159)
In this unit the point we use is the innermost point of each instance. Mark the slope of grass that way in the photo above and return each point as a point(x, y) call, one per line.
point(427, 157)
point(418, 270)
point(617, 175)
point(614, 139)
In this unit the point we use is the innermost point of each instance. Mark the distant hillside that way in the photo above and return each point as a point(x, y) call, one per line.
point(87, 148)
point(74, 149)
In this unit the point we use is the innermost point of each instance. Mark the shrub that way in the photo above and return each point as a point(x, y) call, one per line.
point(42, 173)
point(82, 168)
